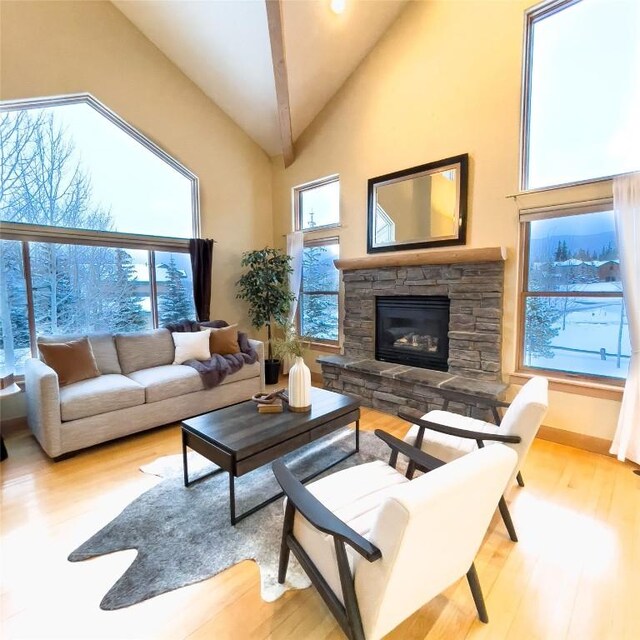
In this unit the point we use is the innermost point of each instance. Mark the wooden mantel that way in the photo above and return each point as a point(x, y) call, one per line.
point(427, 256)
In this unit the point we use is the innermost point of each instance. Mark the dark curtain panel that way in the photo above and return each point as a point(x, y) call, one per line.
point(201, 251)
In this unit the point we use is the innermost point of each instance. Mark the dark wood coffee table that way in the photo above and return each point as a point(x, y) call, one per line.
point(239, 439)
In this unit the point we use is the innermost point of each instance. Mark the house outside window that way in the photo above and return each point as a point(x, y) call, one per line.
point(573, 314)
point(581, 94)
point(317, 212)
point(95, 221)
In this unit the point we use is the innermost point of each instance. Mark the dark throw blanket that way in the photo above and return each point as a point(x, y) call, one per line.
point(217, 368)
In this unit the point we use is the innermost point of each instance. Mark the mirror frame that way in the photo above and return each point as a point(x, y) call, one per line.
point(463, 162)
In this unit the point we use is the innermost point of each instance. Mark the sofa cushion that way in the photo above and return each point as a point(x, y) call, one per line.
point(73, 360)
point(224, 341)
point(191, 346)
point(144, 349)
point(247, 371)
point(167, 381)
point(102, 345)
point(99, 395)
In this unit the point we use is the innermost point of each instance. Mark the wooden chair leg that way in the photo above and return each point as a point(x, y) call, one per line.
point(356, 632)
point(519, 479)
point(287, 528)
point(506, 516)
point(476, 592)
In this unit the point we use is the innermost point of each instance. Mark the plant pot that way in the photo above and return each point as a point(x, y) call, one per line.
point(271, 371)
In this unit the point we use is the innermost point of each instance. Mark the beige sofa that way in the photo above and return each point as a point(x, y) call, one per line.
point(139, 388)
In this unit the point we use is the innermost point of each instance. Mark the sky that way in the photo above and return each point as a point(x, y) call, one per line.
point(324, 202)
point(143, 193)
point(582, 225)
point(585, 88)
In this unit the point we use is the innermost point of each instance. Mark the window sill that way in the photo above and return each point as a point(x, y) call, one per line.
point(580, 387)
point(325, 347)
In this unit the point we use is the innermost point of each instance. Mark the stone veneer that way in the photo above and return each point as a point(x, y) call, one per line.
point(475, 336)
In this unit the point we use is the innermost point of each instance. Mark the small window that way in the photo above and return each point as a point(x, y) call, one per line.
point(573, 314)
point(317, 204)
point(581, 98)
point(319, 304)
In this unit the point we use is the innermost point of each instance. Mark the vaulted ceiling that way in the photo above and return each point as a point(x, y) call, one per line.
point(224, 46)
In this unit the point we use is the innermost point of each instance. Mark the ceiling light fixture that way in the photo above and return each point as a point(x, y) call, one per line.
point(337, 6)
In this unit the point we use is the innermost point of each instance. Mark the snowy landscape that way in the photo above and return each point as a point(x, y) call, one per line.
point(582, 328)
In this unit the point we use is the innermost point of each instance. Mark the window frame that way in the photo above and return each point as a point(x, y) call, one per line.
point(526, 217)
point(297, 208)
point(314, 236)
point(114, 118)
point(26, 233)
point(531, 16)
point(321, 342)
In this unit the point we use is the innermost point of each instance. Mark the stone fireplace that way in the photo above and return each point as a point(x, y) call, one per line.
point(467, 283)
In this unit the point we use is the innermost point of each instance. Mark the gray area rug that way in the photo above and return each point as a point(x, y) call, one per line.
point(183, 535)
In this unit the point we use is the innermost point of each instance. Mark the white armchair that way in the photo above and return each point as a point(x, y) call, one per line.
point(378, 546)
point(447, 436)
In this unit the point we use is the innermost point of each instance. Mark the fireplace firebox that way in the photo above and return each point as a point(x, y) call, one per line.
point(413, 330)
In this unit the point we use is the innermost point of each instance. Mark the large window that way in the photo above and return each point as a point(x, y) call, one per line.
point(573, 313)
point(95, 220)
point(582, 91)
point(319, 307)
point(316, 212)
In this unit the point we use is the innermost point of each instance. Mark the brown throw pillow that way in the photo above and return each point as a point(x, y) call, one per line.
point(224, 341)
point(72, 361)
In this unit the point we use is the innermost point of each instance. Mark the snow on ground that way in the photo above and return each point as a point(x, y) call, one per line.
point(583, 363)
point(593, 327)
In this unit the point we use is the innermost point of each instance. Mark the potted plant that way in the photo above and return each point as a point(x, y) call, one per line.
point(265, 287)
point(292, 345)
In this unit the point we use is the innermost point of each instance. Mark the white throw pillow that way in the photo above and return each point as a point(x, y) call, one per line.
point(191, 346)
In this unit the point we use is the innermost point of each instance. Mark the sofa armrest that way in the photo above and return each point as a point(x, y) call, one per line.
point(43, 405)
point(258, 345)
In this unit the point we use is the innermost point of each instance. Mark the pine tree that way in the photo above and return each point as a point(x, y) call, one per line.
point(128, 313)
point(174, 302)
point(558, 254)
point(608, 252)
point(540, 330)
point(319, 311)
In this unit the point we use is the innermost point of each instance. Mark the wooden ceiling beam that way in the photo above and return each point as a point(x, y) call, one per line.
point(279, 60)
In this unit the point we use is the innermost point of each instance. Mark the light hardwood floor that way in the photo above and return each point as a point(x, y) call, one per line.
point(574, 574)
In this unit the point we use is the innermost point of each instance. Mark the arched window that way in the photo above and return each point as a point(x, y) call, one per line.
point(95, 221)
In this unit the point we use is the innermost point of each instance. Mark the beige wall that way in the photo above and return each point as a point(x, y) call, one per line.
point(52, 48)
point(444, 80)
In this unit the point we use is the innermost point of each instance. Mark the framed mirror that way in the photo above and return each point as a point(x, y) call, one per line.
point(419, 208)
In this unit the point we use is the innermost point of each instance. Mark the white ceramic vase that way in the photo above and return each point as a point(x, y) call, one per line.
point(299, 386)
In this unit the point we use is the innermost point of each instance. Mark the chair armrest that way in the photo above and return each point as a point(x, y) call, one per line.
point(422, 459)
point(319, 516)
point(454, 431)
point(43, 405)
